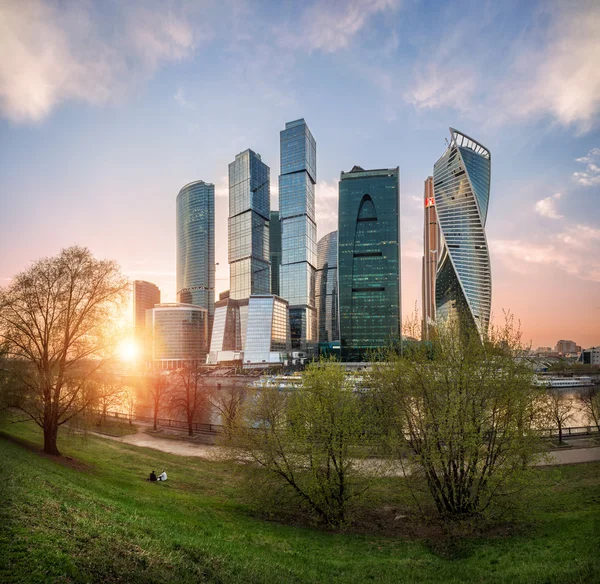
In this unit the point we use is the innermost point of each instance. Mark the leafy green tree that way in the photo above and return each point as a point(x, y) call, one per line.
point(58, 322)
point(308, 439)
point(461, 413)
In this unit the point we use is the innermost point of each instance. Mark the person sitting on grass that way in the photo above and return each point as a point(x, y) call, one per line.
point(152, 477)
point(162, 476)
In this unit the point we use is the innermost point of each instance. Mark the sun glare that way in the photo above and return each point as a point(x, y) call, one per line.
point(128, 350)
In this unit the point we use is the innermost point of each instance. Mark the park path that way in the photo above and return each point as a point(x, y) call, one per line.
point(206, 451)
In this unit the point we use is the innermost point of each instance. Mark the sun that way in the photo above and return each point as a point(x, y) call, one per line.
point(128, 350)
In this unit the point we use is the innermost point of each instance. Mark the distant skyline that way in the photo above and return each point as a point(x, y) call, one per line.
point(107, 109)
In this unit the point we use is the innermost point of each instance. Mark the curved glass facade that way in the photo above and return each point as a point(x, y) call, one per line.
point(196, 246)
point(326, 292)
point(368, 261)
point(461, 182)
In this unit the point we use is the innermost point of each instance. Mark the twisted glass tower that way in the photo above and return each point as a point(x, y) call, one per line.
point(196, 246)
point(326, 292)
point(461, 182)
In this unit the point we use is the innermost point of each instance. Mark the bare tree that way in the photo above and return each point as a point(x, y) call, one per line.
point(130, 401)
point(590, 404)
point(188, 393)
point(559, 409)
point(158, 392)
point(58, 318)
point(109, 394)
point(227, 402)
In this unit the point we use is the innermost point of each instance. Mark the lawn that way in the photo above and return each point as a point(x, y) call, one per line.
point(91, 517)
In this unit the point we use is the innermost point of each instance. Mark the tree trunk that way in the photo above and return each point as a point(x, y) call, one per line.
point(190, 425)
point(50, 438)
point(156, 419)
point(560, 440)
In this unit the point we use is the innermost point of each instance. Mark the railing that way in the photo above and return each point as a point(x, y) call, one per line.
point(572, 431)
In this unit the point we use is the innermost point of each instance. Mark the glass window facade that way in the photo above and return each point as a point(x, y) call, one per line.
point(298, 231)
point(145, 296)
point(431, 240)
point(196, 246)
point(179, 334)
point(249, 214)
point(461, 182)
point(368, 261)
point(268, 336)
point(275, 250)
point(326, 292)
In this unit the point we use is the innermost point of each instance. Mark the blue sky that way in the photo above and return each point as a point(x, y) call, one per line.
point(108, 108)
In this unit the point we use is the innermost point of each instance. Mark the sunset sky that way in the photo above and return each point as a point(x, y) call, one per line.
point(108, 108)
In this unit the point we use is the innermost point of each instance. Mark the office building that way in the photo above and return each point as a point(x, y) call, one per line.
point(566, 347)
point(268, 336)
point(196, 247)
point(590, 356)
point(326, 291)
point(179, 333)
point(298, 231)
point(368, 261)
point(430, 258)
point(275, 250)
point(145, 296)
point(249, 211)
point(461, 183)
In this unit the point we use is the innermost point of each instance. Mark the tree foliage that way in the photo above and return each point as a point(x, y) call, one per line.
point(57, 322)
point(461, 412)
point(308, 440)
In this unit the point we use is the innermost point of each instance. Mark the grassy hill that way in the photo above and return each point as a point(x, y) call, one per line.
point(93, 518)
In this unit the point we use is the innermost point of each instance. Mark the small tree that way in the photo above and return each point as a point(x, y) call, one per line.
point(559, 410)
point(227, 402)
point(158, 392)
point(461, 412)
point(308, 439)
point(57, 321)
point(109, 393)
point(590, 404)
point(188, 393)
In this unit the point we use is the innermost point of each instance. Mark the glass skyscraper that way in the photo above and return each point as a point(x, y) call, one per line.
point(249, 213)
point(431, 239)
point(298, 231)
point(275, 250)
point(461, 183)
point(326, 291)
point(196, 246)
point(179, 333)
point(368, 261)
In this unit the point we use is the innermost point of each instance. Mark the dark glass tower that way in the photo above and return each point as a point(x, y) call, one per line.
point(196, 246)
point(275, 249)
point(298, 231)
point(326, 291)
point(249, 210)
point(368, 261)
point(463, 284)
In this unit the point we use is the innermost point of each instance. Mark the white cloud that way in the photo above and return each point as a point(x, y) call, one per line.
point(180, 98)
point(551, 71)
point(55, 52)
point(563, 251)
point(330, 25)
point(547, 207)
point(222, 187)
point(591, 175)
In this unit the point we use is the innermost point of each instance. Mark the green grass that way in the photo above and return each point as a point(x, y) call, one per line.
point(95, 519)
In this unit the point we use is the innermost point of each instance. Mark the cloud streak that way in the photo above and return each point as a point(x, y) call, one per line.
point(591, 175)
point(547, 207)
point(54, 52)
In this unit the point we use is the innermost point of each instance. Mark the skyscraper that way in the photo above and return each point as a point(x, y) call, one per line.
point(461, 182)
point(196, 246)
point(298, 231)
point(326, 290)
point(145, 296)
point(368, 261)
point(430, 256)
point(249, 210)
point(275, 250)
point(179, 333)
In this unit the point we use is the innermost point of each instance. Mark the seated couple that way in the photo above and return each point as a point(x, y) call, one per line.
point(161, 477)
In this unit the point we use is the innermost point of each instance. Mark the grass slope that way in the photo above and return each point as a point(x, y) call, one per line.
point(94, 519)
